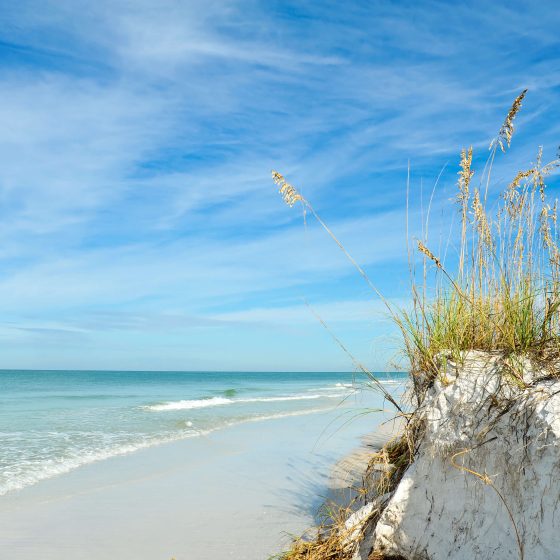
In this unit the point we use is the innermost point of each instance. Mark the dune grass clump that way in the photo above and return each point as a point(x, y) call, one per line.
point(500, 292)
point(495, 289)
point(499, 289)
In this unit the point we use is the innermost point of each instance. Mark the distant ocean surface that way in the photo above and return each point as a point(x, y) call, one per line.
point(52, 422)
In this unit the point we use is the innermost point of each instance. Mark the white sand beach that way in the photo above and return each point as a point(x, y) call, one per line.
point(236, 493)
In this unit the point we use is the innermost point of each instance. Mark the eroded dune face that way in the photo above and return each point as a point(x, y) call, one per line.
point(485, 481)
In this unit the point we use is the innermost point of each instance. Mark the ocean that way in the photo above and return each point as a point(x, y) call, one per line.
point(52, 422)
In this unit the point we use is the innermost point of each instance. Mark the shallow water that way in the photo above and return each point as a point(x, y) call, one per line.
point(52, 422)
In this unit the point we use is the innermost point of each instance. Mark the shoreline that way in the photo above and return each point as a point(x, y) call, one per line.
point(237, 492)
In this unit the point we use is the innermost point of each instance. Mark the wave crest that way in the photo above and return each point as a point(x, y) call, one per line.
point(188, 404)
point(221, 401)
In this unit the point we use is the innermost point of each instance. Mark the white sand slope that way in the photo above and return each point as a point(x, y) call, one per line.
point(441, 511)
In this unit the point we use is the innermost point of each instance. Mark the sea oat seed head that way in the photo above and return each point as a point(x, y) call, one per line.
point(506, 132)
point(481, 219)
point(519, 177)
point(545, 229)
point(423, 249)
point(288, 192)
point(465, 175)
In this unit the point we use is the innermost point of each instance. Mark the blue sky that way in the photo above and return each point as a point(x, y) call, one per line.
point(140, 228)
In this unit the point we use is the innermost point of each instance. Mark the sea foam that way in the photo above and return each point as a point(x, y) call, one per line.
point(189, 404)
point(221, 401)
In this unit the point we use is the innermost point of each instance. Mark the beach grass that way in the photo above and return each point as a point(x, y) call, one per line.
point(495, 289)
point(501, 292)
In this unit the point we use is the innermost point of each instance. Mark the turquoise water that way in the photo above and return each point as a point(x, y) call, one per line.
point(52, 422)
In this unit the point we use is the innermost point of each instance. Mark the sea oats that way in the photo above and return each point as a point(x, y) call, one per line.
point(507, 129)
point(519, 177)
point(289, 193)
point(501, 298)
point(481, 220)
point(545, 229)
point(465, 175)
point(423, 249)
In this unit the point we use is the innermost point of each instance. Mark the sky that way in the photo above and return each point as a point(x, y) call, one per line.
point(139, 226)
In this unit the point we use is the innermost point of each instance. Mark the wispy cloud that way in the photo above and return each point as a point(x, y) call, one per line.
point(137, 142)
